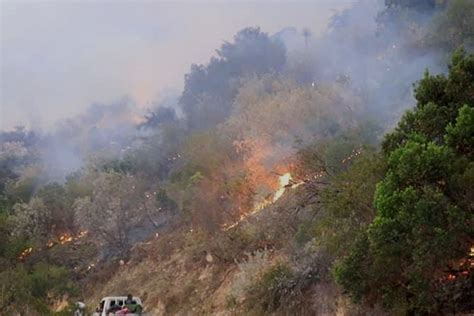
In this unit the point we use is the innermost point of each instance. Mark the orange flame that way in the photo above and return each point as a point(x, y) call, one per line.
point(62, 239)
point(285, 182)
point(25, 253)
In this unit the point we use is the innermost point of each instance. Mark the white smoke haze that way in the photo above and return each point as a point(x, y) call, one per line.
point(58, 57)
point(84, 75)
point(368, 57)
point(102, 131)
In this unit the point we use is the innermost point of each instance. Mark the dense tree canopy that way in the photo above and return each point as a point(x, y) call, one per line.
point(209, 89)
point(420, 239)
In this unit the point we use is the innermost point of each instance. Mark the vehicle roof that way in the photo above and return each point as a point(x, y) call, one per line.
point(118, 297)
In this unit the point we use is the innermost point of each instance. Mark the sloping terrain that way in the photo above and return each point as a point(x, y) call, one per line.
point(186, 272)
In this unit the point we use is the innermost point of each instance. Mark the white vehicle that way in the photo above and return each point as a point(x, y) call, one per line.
point(115, 305)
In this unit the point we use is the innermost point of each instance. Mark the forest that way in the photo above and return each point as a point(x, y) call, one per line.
point(294, 174)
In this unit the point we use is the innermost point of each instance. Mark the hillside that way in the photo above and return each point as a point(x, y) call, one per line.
point(293, 174)
point(186, 272)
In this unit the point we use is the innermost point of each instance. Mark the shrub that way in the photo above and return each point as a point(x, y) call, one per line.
point(271, 289)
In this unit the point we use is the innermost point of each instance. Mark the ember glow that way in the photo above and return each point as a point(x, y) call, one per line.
point(67, 238)
point(64, 239)
point(462, 268)
point(471, 257)
point(61, 240)
point(354, 154)
point(25, 253)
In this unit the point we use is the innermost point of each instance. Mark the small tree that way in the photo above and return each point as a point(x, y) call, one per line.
point(113, 209)
point(30, 220)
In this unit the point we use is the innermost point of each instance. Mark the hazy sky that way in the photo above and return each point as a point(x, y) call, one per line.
point(58, 57)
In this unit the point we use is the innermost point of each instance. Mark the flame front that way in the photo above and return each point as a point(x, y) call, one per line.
point(25, 253)
point(61, 240)
point(285, 182)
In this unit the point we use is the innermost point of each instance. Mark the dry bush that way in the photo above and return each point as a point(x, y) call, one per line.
point(249, 269)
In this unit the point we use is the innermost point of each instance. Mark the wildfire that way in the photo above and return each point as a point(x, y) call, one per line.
point(64, 239)
point(226, 227)
point(285, 182)
point(67, 238)
point(354, 154)
point(61, 240)
point(462, 269)
point(25, 253)
point(471, 257)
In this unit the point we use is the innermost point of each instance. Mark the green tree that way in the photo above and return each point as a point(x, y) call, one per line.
point(439, 97)
point(209, 90)
point(461, 134)
point(348, 205)
point(413, 256)
point(454, 26)
point(115, 207)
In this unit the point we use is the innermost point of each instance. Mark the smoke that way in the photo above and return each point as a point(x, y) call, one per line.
point(103, 131)
point(216, 143)
point(59, 57)
point(365, 59)
point(376, 52)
